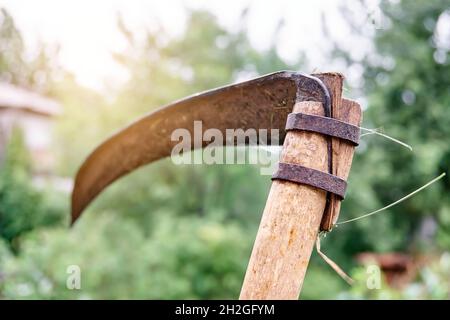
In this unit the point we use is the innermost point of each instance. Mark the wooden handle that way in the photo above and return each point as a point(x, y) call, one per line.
point(293, 212)
point(290, 222)
point(350, 112)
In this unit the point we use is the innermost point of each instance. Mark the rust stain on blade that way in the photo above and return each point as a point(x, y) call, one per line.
point(253, 104)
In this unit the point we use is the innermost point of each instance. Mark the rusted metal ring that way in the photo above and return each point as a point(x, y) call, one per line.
point(325, 125)
point(315, 178)
point(327, 108)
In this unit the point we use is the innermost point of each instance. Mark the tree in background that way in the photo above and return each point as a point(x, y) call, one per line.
point(16, 66)
point(406, 81)
point(22, 207)
point(11, 64)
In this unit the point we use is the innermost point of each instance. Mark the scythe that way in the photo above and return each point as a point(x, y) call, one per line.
point(319, 130)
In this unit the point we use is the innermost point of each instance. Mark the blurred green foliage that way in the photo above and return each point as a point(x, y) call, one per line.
point(184, 258)
point(22, 208)
point(170, 231)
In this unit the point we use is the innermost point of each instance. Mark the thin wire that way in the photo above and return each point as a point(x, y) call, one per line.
point(394, 203)
point(375, 131)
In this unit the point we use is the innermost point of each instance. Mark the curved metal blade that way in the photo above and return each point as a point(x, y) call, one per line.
point(261, 103)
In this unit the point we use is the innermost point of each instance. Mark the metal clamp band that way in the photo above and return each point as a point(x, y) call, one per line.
point(325, 125)
point(315, 178)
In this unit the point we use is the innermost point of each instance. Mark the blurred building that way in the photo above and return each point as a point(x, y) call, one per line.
point(399, 269)
point(33, 114)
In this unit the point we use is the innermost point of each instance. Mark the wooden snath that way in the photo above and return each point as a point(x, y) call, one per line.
point(294, 212)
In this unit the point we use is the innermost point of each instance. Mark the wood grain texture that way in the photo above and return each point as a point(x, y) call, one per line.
point(334, 82)
point(350, 111)
point(294, 213)
point(290, 222)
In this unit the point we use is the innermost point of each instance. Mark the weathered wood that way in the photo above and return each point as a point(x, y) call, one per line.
point(293, 212)
point(290, 222)
point(350, 111)
point(334, 83)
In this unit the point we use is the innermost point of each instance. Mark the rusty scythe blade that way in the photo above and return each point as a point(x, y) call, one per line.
point(261, 103)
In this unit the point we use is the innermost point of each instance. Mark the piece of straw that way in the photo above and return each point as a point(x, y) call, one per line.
point(333, 264)
point(394, 203)
point(377, 132)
